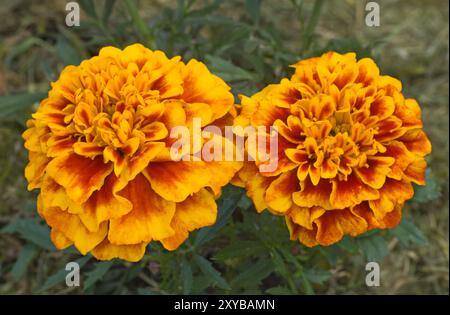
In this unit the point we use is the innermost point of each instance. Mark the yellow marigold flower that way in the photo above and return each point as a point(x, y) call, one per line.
point(350, 144)
point(99, 151)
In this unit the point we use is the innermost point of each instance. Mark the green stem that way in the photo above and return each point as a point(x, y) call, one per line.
point(140, 25)
point(312, 23)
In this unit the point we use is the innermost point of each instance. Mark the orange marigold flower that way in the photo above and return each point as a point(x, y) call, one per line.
point(99, 151)
point(350, 144)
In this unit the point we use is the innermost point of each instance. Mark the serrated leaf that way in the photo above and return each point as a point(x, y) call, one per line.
point(429, 192)
point(186, 276)
point(31, 230)
point(349, 244)
point(9, 104)
point(279, 263)
point(100, 269)
point(26, 256)
point(408, 233)
point(107, 10)
point(208, 270)
point(253, 8)
point(316, 275)
point(373, 247)
point(226, 70)
point(239, 249)
point(279, 290)
point(254, 275)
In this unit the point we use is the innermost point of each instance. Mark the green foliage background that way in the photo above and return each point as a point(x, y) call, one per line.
point(249, 44)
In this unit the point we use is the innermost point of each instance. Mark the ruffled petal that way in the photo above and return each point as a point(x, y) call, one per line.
point(197, 211)
point(80, 176)
point(148, 220)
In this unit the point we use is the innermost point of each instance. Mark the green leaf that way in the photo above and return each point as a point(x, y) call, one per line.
point(254, 274)
point(88, 6)
point(253, 8)
point(429, 192)
point(373, 247)
point(349, 244)
point(67, 53)
point(9, 104)
point(100, 269)
point(186, 276)
point(226, 206)
point(23, 47)
point(31, 230)
point(279, 263)
point(306, 284)
point(26, 256)
point(60, 276)
point(226, 70)
point(107, 10)
point(208, 270)
point(279, 290)
point(408, 233)
point(308, 32)
point(316, 275)
point(239, 249)
point(139, 24)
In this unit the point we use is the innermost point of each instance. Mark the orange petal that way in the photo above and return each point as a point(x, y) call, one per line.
point(80, 176)
point(351, 192)
point(200, 86)
point(105, 204)
point(139, 161)
point(392, 193)
point(310, 195)
point(54, 195)
point(382, 107)
point(374, 174)
point(89, 150)
point(155, 131)
point(417, 142)
point(279, 193)
point(402, 158)
point(195, 212)
point(59, 145)
point(35, 169)
point(108, 251)
point(59, 239)
point(333, 225)
point(149, 219)
point(409, 113)
point(72, 228)
point(305, 216)
point(175, 181)
point(255, 184)
point(415, 171)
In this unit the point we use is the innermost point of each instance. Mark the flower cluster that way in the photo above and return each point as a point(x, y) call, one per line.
point(99, 151)
point(350, 145)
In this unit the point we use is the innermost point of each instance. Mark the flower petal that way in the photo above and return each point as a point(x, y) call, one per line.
point(148, 220)
point(107, 251)
point(279, 193)
point(80, 176)
point(195, 212)
point(310, 195)
point(351, 192)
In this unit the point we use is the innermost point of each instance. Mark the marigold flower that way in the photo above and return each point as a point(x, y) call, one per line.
point(350, 145)
point(99, 151)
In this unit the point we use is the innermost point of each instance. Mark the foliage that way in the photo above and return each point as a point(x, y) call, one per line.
point(244, 252)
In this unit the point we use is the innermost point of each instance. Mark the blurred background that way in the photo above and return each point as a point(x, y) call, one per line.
point(249, 44)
